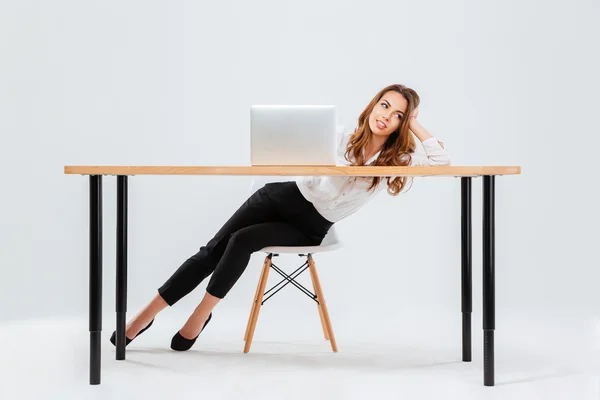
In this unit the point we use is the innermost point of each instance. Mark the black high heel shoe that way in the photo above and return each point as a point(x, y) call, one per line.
point(113, 339)
point(179, 343)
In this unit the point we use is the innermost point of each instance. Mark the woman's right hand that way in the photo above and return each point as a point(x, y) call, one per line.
point(415, 112)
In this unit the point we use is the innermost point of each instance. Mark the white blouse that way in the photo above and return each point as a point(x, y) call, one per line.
point(336, 197)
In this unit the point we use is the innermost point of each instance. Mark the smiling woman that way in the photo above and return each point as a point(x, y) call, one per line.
point(383, 127)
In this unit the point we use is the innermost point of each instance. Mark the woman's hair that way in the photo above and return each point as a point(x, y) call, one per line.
point(397, 148)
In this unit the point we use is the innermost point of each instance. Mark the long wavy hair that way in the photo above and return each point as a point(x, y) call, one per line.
point(397, 148)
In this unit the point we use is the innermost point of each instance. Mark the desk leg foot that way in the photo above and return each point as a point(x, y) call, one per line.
point(466, 337)
point(466, 267)
point(121, 273)
point(95, 278)
point(95, 358)
point(488, 357)
point(120, 336)
point(489, 284)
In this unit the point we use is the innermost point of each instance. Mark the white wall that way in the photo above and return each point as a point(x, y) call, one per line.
point(151, 83)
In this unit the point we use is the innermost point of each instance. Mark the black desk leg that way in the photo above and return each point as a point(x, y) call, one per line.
point(488, 281)
point(95, 278)
point(121, 290)
point(466, 263)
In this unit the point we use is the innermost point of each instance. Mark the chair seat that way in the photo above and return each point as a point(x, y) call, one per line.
point(301, 249)
point(330, 242)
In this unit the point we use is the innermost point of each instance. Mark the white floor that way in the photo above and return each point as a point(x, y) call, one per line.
point(289, 359)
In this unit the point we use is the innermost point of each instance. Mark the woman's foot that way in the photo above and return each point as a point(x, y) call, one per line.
point(137, 324)
point(186, 336)
point(181, 343)
point(144, 318)
point(193, 326)
point(113, 339)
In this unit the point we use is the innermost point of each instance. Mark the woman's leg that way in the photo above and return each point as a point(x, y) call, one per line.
point(256, 209)
point(234, 260)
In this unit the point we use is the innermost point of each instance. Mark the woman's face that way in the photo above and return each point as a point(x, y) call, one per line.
point(387, 113)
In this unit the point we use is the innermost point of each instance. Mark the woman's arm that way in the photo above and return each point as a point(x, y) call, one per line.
point(418, 129)
point(435, 152)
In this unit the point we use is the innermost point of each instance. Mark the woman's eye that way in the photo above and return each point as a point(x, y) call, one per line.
point(384, 105)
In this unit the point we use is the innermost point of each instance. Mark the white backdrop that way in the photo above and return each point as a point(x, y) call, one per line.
point(151, 83)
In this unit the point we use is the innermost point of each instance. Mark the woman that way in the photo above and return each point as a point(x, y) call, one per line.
point(299, 212)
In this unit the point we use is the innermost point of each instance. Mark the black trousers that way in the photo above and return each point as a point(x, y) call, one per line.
point(275, 215)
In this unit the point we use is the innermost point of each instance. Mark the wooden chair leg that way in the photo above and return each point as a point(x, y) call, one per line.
point(320, 311)
point(259, 297)
point(322, 304)
point(262, 273)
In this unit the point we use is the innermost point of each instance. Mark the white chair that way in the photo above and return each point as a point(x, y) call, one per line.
point(329, 243)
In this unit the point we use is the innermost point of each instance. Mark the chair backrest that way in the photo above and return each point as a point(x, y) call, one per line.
point(330, 239)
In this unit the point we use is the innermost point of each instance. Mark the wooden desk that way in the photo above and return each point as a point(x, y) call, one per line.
point(122, 172)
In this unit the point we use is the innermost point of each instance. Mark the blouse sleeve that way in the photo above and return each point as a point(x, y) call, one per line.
point(435, 154)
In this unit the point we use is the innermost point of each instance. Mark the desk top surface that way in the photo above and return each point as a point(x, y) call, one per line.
point(294, 170)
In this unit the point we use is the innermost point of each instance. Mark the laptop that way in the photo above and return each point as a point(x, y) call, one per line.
point(293, 135)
